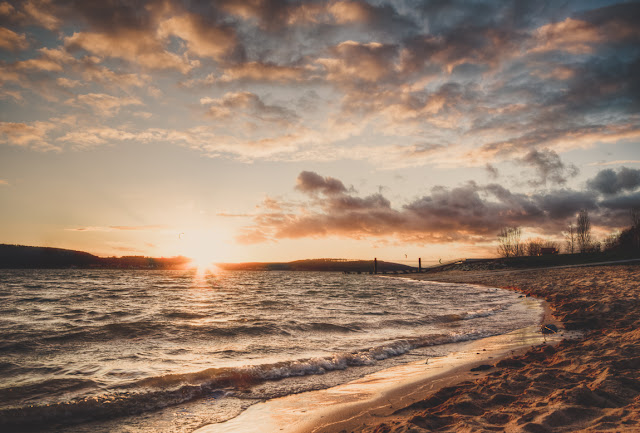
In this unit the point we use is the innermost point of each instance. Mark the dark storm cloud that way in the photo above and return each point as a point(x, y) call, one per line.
point(470, 212)
point(622, 203)
point(610, 182)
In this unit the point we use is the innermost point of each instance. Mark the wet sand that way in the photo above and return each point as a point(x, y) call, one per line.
point(377, 394)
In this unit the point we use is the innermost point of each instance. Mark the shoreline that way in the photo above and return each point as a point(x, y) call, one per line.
point(591, 383)
point(586, 384)
point(378, 394)
point(364, 400)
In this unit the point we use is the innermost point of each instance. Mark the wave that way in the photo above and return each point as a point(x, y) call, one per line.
point(114, 331)
point(49, 388)
point(330, 327)
point(161, 391)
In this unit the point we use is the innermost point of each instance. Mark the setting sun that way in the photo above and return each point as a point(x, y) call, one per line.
point(200, 248)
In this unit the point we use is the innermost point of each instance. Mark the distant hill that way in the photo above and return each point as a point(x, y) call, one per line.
point(332, 265)
point(20, 256)
point(25, 257)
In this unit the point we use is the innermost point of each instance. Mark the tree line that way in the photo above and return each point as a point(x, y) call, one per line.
point(577, 239)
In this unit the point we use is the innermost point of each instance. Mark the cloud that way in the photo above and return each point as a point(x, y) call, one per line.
point(310, 182)
point(12, 41)
point(470, 213)
point(369, 62)
point(68, 83)
point(33, 135)
point(274, 15)
point(492, 171)
point(248, 104)
point(104, 104)
point(95, 136)
point(421, 83)
point(103, 75)
point(616, 162)
point(623, 204)
point(571, 35)
point(41, 11)
point(549, 167)
point(610, 182)
point(135, 46)
point(117, 228)
point(264, 72)
point(4, 182)
point(204, 39)
point(6, 9)
point(203, 139)
point(50, 60)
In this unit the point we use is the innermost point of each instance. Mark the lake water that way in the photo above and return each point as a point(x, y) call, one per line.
point(114, 350)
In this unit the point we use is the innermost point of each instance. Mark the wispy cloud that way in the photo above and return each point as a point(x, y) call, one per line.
point(118, 228)
point(616, 162)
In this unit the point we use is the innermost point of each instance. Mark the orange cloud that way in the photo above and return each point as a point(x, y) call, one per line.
point(33, 135)
point(117, 228)
point(104, 104)
point(41, 12)
point(104, 75)
point(50, 60)
point(350, 11)
point(12, 41)
point(368, 62)
point(138, 47)
point(571, 35)
point(203, 39)
point(68, 83)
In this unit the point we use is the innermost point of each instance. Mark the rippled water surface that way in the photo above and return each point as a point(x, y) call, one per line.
point(79, 345)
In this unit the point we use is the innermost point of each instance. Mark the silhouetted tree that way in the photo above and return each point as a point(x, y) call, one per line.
point(570, 239)
point(583, 231)
point(635, 227)
point(534, 246)
point(612, 241)
point(509, 242)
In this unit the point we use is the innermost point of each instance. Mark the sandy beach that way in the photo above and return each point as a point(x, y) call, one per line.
point(586, 384)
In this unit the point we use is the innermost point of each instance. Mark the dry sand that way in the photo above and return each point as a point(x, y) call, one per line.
point(586, 384)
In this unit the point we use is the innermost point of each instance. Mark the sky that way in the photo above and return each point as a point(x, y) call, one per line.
point(272, 130)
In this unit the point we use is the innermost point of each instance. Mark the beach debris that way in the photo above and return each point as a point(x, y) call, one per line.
point(482, 367)
point(549, 328)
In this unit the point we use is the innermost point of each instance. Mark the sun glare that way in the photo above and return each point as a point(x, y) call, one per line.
point(200, 251)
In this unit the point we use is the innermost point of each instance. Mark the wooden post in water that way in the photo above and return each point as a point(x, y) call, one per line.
point(375, 265)
point(419, 264)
